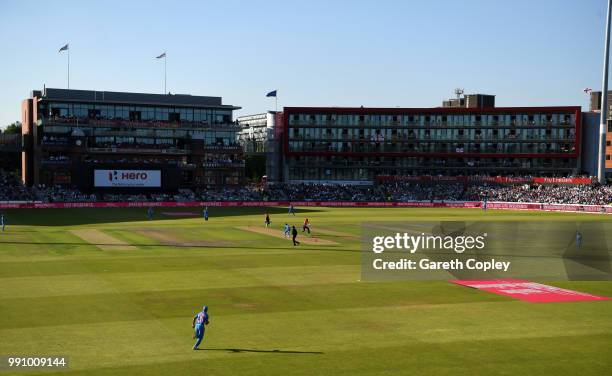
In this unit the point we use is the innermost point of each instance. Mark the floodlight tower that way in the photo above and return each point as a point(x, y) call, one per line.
point(603, 120)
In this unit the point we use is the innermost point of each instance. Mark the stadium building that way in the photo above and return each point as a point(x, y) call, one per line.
point(361, 145)
point(595, 106)
point(97, 140)
point(255, 131)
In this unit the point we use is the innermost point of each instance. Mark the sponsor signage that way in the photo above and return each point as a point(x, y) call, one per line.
point(127, 178)
point(529, 291)
point(486, 179)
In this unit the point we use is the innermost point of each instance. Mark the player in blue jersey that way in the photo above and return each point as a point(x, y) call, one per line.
point(150, 213)
point(287, 230)
point(206, 214)
point(291, 209)
point(199, 321)
point(2, 221)
point(578, 239)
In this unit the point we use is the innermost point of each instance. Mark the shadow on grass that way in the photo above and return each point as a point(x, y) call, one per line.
point(329, 247)
point(275, 351)
point(83, 216)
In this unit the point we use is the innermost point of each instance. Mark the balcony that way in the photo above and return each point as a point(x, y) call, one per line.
point(72, 121)
point(420, 148)
point(223, 164)
point(434, 125)
point(50, 144)
point(226, 148)
point(431, 164)
point(127, 149)
point(55, 162)
point(429, 138)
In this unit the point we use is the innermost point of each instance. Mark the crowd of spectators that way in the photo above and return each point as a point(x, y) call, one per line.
point(11, 189)
point(410, 191)
point(321, 192)
point(183, 195)
point(60, 193)
point(243, 193)
point(548, 194)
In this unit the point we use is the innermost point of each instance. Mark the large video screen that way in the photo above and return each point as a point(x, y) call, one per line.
point(127, 178)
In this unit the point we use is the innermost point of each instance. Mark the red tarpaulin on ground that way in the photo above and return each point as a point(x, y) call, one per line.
point(529, 291)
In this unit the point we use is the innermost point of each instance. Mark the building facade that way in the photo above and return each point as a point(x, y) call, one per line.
point(115, 140)
point(256, 138)
point(471, 101)
point(595, 106)
point(590, 144)
point(254, 131)
point(357, 145)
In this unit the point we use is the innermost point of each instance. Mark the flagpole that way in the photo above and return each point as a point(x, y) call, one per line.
point(68, 68)
point(165, 58)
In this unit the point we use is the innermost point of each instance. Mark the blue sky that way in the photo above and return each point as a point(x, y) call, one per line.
point(316, 53)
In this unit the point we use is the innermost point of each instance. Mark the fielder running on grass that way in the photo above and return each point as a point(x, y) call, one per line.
point(199, 321)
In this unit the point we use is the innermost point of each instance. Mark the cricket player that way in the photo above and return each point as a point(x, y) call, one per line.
point(294, 235)
point(150, 213)
point(206, 214)
point(287, 230)
point(2, 221)
point(306, 226)
point(267, 220)
point(199, 321)
point(578, 239)
point(291, 210)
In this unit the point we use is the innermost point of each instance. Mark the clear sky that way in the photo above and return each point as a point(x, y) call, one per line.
point(316, 53)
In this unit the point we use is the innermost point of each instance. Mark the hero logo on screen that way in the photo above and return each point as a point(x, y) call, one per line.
point(132, 176)
point(127, 178)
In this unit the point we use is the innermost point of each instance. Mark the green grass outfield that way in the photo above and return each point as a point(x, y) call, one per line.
point(275, 309)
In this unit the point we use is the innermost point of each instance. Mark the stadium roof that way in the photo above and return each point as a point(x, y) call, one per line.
point(115, 97)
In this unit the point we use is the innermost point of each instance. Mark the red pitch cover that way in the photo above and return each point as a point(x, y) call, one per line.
point(529, 291)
